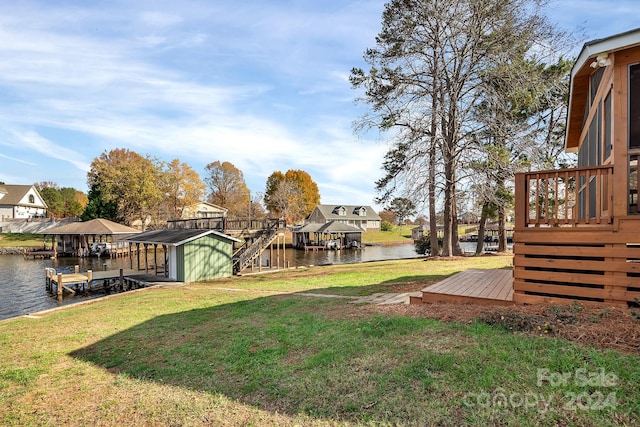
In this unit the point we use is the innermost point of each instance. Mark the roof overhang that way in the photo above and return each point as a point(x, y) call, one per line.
point(175, 237)
point(594, 54)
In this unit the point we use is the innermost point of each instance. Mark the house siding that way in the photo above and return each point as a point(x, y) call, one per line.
point(206, 258)
point(6, 212)
point(21, 202)
point(363, 217)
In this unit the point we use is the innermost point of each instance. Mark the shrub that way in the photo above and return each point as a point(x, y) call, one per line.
point(423, 245)
point(386, 226)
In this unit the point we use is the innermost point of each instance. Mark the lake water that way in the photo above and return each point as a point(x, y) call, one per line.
point(22, 281)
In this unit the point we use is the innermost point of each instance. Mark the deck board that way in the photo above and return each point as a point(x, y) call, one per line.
point(473, 286)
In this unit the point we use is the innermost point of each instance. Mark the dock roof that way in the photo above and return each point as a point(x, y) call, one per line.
point(99, 226)
point(175, 237)
point(329, 227)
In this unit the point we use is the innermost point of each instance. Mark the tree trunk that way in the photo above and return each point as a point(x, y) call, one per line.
point(447, 247)
point(433, 225)
point(481, 227)
point(455, 240)
point(502, 235)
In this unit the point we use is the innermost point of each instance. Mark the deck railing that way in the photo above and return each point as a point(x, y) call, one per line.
point(564, 197)
point(226, 224)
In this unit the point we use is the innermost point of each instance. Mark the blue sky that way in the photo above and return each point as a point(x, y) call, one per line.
point(261, 84)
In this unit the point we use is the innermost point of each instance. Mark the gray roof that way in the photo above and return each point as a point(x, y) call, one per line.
point(329, 227)
point(330, 212)
point(607, 44)
point(175, 237)
point(98, 226)
point(312, 227)
point(13, 194)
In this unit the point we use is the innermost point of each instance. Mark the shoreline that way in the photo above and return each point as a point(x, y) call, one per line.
point(15, 250)
point(390, 243)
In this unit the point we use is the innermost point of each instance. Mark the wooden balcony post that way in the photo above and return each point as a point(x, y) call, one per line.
point(521, 197)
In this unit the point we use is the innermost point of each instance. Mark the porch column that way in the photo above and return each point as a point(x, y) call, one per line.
point(520, 204)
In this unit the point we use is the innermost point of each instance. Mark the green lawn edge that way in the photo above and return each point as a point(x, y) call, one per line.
point(253, 351)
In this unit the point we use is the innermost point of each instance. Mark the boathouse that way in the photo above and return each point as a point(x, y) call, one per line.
point(186, 255)
point(331, 235)
point(577, 231)
point(76, 238)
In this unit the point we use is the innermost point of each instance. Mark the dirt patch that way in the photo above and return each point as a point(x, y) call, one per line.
point(602, 327)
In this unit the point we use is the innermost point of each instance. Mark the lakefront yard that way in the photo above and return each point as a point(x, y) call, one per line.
point(255, 350)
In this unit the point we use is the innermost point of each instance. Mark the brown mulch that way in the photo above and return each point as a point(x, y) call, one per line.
point(599, 326)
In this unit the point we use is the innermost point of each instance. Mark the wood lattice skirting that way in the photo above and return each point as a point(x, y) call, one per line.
point(597, 266)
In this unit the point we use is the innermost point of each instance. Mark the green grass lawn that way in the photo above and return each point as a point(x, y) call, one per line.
point(27, 240)
point(399, 233)
point(252, 351)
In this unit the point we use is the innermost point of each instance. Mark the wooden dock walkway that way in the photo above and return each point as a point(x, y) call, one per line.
point(108, 281)
point(473, 286)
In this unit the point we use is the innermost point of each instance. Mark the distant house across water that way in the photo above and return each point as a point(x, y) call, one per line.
point(203, 210)
point(21, 202)
point(363, 217)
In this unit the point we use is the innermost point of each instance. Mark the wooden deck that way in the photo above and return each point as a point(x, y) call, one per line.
point(473, 286)
point(105, 281)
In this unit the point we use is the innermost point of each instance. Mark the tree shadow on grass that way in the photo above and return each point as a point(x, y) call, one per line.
point(396, 285)
point(293, 355)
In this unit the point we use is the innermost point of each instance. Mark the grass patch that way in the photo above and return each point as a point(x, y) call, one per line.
point(399, 234)
point(202, 355)
point(20, 240)
point(363, 279)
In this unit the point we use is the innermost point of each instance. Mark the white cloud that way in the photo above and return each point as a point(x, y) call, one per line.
point(33, 141)
point(200, 82)
point(14, 159)
point(160, 19)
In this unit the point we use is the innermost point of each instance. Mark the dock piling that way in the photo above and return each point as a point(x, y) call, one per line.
point(59, 285)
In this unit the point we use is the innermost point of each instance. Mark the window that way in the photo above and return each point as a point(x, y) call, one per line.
point(594, 83)
point(31, 198)
point(607, 126)
point(589, 154)
point(633, 184)
point(634, 106)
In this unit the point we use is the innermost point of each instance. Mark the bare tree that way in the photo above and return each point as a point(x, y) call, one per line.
point(287, 201)
point(425, 83)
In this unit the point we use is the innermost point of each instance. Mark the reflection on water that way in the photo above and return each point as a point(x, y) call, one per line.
point(297, 258)
point(22, 282)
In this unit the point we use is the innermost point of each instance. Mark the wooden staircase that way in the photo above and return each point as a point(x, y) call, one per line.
point(258, 234)
point(246, 255)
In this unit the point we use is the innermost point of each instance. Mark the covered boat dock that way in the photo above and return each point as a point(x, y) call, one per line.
point(76, 239)
point(331, 235)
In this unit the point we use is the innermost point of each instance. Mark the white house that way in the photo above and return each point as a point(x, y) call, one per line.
point(21, 202)
point(203, 210)
point(363, 217)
